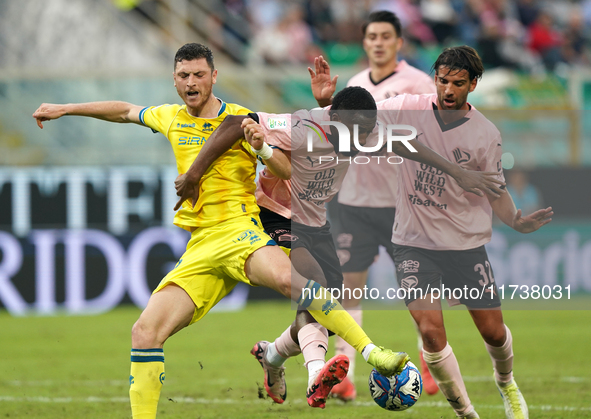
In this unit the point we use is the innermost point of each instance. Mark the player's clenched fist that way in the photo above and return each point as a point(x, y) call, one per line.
point(47, 112)
point(253, 133)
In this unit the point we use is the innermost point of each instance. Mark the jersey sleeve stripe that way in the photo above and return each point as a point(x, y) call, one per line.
point(142, 115)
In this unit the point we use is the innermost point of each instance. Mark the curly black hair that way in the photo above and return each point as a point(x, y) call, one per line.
point(354, 98)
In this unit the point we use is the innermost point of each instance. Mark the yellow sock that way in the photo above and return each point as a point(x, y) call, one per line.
point(330, 314)
point(146, 379)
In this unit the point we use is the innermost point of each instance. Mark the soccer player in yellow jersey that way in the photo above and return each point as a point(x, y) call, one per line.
point(227, 242)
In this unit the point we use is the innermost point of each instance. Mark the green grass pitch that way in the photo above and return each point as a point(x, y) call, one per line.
point(78, 366)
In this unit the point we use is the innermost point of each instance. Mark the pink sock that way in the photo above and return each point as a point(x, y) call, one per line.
point(502, 358)
point(285, 345)
point(313, 342)
point(343, 348)
point(445, 370)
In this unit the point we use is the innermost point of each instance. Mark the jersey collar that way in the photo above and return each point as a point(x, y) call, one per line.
point(222, 106)
point(446, 127)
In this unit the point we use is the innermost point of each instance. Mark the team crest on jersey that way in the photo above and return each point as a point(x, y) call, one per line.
point(277, 123)
point(461, 156)
point(409, 282)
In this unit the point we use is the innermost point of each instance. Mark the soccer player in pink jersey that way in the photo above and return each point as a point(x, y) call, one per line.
point(293, 213)
point(439, 232)
point(309, 215)
point(364, 212)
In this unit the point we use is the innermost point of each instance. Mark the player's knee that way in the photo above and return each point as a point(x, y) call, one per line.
point(494, 336)
point(143, 337)
point(434, 338)
point(283, 282)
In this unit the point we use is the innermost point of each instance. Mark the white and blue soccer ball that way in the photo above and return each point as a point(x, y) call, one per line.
point(398, 392)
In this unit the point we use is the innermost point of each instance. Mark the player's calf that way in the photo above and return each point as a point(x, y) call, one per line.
point(429, 384)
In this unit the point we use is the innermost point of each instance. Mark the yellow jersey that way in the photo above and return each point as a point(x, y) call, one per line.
point(227, 188)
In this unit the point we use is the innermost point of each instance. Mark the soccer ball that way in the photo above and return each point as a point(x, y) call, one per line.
point(398, 392)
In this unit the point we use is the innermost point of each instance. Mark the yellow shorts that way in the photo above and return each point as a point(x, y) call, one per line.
point(214, 261)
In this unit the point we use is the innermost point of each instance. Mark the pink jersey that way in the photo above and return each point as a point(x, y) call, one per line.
point(316, 175)
point(371, 185)
point(432, 211)
point(406, 79)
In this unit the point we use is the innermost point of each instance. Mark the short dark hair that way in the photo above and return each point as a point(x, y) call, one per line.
point(194, 51)
point(354, 98)
point(384, 16)
point(357, 104)
point(460, 58)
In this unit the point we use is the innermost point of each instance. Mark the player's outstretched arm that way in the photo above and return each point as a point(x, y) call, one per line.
point(220, 141)
point(504, 208)
point(112, 111)
point(323, 87)
point(275, 159)
point(479, 183)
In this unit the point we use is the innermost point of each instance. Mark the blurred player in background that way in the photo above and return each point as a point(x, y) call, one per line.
point(440, 232)
point(293, 213)
point(227, 243)
point(364, 213)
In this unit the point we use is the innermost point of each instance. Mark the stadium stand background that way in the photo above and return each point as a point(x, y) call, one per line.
point(85, 184)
